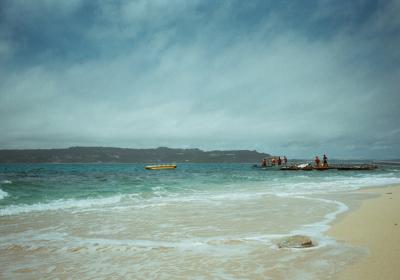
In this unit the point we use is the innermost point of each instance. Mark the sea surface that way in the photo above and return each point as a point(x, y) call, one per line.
point(199, 221)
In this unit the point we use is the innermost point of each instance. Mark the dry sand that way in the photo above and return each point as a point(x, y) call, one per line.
point(375, 226)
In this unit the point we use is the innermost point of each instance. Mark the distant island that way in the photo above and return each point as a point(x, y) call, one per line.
point(125, 155)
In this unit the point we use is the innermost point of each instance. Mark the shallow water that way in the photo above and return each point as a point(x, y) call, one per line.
point(200, 221)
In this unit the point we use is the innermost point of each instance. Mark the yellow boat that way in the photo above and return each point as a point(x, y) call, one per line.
point(160, 166)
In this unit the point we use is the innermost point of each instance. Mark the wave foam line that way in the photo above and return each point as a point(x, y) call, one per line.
point(6, 182)
point(318, 229)
point(3, 194)
point(58, 205)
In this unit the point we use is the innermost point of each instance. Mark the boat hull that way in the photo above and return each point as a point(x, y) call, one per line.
point(357, 167)
point(160, 167)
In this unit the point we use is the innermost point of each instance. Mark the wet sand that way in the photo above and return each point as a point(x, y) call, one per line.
point(375, 225)
point(178, 239)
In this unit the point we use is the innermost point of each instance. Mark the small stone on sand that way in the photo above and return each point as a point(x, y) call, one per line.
point(296, 241)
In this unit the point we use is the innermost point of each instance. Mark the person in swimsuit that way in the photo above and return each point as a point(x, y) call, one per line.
point(317, 161)
point(325, 161)
point(264, 163)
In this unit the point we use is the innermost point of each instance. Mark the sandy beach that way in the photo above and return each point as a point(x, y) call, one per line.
point(375, 225)
point(201, 221)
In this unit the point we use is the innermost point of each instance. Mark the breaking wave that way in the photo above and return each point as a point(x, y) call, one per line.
point(3, 194)
point(58, 205)
point(4, 182)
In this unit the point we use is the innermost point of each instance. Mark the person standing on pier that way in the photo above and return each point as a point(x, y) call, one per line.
point(325, 161)
point(264, 163)
point(317, 161)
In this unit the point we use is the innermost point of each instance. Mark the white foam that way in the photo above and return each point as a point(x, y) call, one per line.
point(59, 205)
point(333, 184)
point(317, 229)
point(6, 182)
point(200, 197)
point(3, 194)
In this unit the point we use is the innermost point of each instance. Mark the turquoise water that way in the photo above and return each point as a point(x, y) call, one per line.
point(199, 221)
point(30, 184)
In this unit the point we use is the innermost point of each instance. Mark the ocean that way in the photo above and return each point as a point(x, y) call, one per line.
point(199, 221)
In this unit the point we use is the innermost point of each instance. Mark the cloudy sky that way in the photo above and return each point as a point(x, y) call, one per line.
point(283, 77)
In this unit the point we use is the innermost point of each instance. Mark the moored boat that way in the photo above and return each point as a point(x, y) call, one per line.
point(268, 167)
point(322, 168)
point(294, 167)
point(160, 167)
point(357, 167)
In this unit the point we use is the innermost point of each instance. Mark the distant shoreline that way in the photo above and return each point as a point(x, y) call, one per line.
point(123, 163)
point(129, 155)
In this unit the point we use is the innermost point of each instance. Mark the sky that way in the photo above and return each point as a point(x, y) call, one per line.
point(295, 78)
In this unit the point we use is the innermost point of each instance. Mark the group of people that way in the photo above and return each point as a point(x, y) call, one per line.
point(279, 161)
point(318, 161)
point(274, 161)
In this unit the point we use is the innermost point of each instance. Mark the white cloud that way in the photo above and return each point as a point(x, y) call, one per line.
point(264, 90)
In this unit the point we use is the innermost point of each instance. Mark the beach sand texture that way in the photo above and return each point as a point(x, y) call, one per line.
point(200, 222)
point(375, 226)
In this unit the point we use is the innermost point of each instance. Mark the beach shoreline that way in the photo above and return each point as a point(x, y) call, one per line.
point(375, 226)
point(200, 221)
